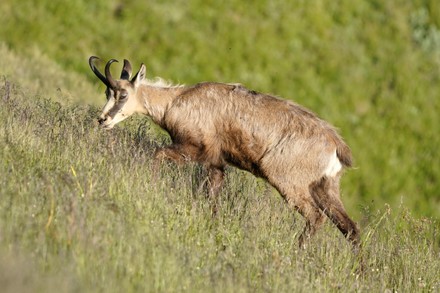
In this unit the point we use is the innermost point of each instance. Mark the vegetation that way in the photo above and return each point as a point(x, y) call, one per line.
point(81, 211)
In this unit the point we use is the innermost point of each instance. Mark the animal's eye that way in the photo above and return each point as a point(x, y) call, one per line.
point(123, 95)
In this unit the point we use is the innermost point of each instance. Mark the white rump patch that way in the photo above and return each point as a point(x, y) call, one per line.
point(333, 167)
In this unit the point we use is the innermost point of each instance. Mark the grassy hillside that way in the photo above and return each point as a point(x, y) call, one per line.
point(372, 69)
point(79, 210)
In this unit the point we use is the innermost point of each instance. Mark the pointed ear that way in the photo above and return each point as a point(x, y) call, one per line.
point(140, 76)
point(126, 70)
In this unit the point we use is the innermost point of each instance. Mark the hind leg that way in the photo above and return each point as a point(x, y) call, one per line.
point(325, 193)
point(301, 200)
point(314, 220)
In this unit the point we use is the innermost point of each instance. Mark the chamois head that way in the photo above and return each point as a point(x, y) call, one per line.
point(120, 93)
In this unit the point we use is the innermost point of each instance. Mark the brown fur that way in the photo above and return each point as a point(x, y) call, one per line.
point(217, 124)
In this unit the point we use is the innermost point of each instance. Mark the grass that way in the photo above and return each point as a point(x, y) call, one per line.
point(81, 211)
point(371, 69)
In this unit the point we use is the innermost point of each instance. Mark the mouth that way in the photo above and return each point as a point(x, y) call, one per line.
point(107, 126)
point(108, 123)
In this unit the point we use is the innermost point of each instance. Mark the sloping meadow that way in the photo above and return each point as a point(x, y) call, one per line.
point(80, 210)
point(370, 68)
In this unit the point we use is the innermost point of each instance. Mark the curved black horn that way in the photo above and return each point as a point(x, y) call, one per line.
point(96, 71)
point(126, 70)
point(108, 75)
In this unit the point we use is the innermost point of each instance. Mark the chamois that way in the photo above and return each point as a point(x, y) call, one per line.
point(216, 124)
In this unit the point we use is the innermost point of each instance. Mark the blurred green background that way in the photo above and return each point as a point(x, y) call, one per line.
point(371, 68)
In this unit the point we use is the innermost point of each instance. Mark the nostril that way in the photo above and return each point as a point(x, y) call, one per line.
point(101, 120)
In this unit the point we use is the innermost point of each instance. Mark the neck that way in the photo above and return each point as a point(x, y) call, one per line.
point(156, 99)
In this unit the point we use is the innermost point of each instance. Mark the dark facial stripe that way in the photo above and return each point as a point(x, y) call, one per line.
point(116, 108)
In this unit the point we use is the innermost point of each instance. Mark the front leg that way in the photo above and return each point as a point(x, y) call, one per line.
point(171, 153)
point(216, 177)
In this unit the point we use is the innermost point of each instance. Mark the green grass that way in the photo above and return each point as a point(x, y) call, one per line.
point(81, 211)
point(371, 69)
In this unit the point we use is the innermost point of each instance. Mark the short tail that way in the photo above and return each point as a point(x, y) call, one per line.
point(344, 154)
